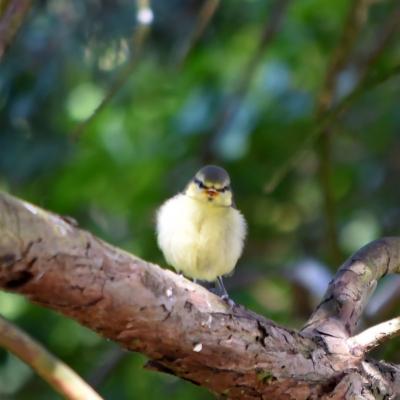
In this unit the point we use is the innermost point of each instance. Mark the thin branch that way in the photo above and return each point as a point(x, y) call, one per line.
point(373, 337)
point(62, 378)
point(367, 81)
point(11, 17)
point(383, 38)
point(144, 19)
point(327, 120)
point(109, 361)
point(232, 105)
point(206, 13)
point(354, 22)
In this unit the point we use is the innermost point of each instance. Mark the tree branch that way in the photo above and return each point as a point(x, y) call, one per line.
point(368, 82)
point(339, 311)
point(12, 14)
point(232, 105)
point(109, 361)
point(62, 378)
point(354, 22)
point(205, 15)
point(144, 17)
point(182, 327)
point(373, 337)
point(383, 37)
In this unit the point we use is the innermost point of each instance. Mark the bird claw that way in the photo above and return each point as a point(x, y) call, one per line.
point(228, 301)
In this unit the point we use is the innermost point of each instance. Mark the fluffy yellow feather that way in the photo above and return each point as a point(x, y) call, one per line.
point(199, 231)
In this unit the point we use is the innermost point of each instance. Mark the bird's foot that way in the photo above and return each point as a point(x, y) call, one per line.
point(228, 301)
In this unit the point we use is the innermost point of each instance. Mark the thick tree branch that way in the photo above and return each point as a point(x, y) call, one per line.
point(62, 378)
point(340, 310)
point(183, 328)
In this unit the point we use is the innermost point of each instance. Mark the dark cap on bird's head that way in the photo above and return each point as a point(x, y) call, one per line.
point(211, 184)
point(212, 174)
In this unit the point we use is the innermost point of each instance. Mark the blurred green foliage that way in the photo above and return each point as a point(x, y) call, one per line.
point(151, 138)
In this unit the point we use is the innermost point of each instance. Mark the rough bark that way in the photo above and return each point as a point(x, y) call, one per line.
point(186, 330)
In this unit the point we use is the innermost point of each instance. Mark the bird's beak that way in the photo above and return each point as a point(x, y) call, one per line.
point(211, 192)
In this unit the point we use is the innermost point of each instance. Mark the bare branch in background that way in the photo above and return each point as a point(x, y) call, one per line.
point(12, 14)
point(355, 21)
point(383, 38)
point(371, 81)
point(367, 81)
point(206, 13)
point(188, 331)
point(144, 18)
point(61, 377)
point(109, 361)
point(232, 104)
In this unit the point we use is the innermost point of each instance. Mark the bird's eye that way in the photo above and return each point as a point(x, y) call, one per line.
point(224, 189)
point(200, 184)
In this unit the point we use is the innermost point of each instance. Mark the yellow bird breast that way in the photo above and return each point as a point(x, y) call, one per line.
point(199, 239)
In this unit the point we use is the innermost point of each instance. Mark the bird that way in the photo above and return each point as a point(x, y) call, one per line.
point(200, 231)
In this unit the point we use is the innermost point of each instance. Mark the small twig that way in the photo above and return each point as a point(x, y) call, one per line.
point(354, 22)
point(144, 18)
point(61, 377)
point(375, 336)
point(230, 108)
point(206, 13)
point(383, 38)
point(11, 18)
point(366, 82)
point(109, 362)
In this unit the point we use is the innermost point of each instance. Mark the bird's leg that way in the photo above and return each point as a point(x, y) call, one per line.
point(219, 284)
point(222, 291)
point(194, 280)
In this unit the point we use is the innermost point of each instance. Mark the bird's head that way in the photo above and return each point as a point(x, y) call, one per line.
point(211, 184)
